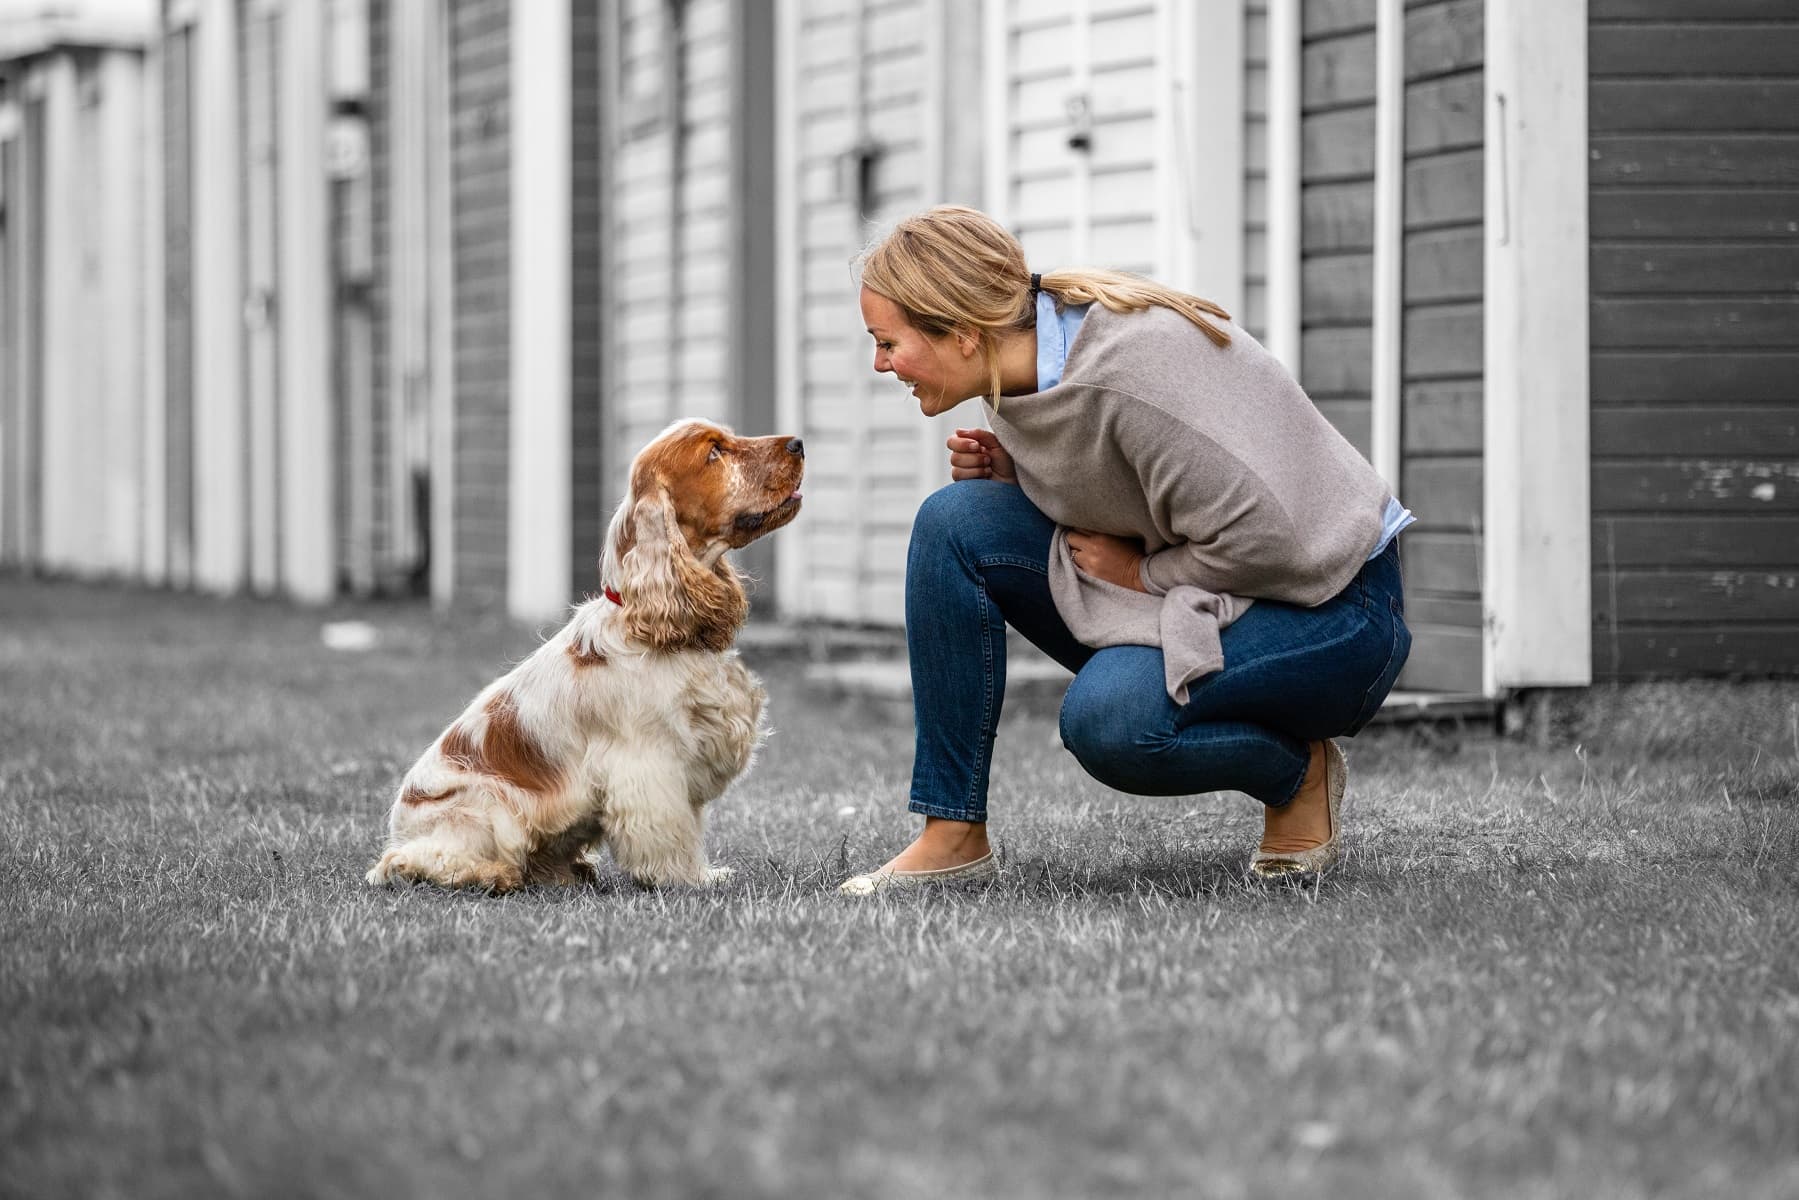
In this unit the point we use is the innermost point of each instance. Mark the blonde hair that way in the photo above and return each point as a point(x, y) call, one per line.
point(954, 269)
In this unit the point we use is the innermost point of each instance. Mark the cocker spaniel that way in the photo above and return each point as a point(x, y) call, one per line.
point(622, 727)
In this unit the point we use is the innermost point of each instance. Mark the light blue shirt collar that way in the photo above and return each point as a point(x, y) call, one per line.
point(1055, 334)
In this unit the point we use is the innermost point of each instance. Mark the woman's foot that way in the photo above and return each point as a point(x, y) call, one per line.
point(1303, 837)
point(946, 851)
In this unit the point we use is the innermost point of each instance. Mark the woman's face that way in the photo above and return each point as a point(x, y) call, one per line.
point(941, 371)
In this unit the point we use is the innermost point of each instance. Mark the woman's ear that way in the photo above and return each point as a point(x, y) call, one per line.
point(968, 343)
point(670, 600)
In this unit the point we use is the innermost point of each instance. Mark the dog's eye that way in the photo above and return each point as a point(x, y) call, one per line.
point(717, 452)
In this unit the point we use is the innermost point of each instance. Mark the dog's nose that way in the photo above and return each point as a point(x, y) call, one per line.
point(795, 446)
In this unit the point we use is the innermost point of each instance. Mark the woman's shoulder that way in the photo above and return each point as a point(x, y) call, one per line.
point(1152, 347)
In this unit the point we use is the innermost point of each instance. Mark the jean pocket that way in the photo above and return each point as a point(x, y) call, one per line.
point(1399, 649)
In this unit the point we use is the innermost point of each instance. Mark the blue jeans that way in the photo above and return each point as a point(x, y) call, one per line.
point(979, 562)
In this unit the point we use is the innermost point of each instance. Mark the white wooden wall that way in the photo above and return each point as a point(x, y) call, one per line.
point(1116, 136)
point(98, 487)
point(861, 79)
point(91, 339)
point(670, 222)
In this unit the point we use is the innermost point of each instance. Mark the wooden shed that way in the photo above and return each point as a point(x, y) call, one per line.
point(78, 293)
point(1405, 200)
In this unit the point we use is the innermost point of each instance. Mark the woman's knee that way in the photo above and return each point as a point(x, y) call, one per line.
point(1113, 735)
point(959, 510)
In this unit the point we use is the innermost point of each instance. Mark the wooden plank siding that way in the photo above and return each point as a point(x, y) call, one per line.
point(479, 165)
point(669, 228)
point(1694, 182)
point(178, 300)
point(364, 533)
point(1440, 477)
point(1337, 211)
point(588, 498)
point(862, 147)
point(1254, 316)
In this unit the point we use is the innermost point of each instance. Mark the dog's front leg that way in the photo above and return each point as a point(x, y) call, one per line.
point(656, 835)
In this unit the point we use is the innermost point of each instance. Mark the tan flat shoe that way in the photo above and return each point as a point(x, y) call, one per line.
point(984, 867)
point(1289, 865)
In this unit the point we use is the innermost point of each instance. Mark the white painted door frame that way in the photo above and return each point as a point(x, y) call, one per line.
point(540, 517)
point(1537, 579)
point(308, 555)
point(220, 563)
point(1284, 212)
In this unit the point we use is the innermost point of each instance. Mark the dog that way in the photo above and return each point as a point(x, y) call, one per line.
point(621, 728)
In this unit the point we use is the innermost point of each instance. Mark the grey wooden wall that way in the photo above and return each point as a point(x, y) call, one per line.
point(363, 527)
point(1254, 316)
point(1337, 203)
point(587, 280)
point(1440, 418)
point(1694, 176)
point(480, 159)
point(178, 335)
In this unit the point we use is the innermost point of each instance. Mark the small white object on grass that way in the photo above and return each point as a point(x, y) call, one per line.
point(848, 810)
point(348, 635)
point(1316, 1135)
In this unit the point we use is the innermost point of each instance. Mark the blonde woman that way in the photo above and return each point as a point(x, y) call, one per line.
point(1160, 508)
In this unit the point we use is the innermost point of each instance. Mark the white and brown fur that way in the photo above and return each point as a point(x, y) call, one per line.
point(621, 728)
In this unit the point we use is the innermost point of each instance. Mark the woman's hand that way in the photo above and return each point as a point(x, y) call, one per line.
point(977, 454)
point(1113, 559)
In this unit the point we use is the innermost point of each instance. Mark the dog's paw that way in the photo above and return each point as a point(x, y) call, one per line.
point(388, 869)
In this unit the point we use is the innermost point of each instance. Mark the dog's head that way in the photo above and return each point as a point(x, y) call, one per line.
point(696, 491)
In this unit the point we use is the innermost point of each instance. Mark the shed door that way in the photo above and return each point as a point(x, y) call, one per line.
point(1115, 137)
point(869, 141)
point(671, 220)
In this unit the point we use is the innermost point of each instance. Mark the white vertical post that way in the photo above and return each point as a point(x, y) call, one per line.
point(1537, 508)
point(308, 511)
point(120, 402)
point(1284, 215)
point(443, 307)
point(219, 540)
point(154, 516)
point(261, 335)
point(66, 470)
point(539, 520)
point(1204, 155)
point(1389, 238)
point(791, 560)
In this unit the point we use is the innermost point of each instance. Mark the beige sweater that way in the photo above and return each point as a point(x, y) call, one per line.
point(1215, 458)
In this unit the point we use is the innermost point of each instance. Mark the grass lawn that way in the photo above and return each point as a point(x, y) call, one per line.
point(1561, 971)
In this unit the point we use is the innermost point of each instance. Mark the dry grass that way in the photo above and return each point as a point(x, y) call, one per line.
point(1543, 972)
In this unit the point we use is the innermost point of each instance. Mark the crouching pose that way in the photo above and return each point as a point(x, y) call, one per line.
point(1157, 505)
point(622, 727)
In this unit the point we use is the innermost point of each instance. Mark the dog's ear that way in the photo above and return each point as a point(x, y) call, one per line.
point(671, 600)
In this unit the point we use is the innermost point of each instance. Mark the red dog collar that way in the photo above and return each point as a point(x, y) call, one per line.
point(614, 597)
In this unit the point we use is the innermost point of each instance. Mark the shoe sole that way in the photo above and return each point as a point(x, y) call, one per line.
point(1321, 858)
point(980, 869)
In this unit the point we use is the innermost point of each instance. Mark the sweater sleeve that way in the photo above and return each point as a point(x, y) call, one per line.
point(1196, 492)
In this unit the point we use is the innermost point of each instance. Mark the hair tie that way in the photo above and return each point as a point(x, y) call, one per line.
point(1036, 283)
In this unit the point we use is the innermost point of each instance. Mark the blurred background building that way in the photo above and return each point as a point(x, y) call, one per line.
point(326, 297)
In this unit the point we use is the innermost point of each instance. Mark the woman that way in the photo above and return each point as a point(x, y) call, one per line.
point(1160, 508)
